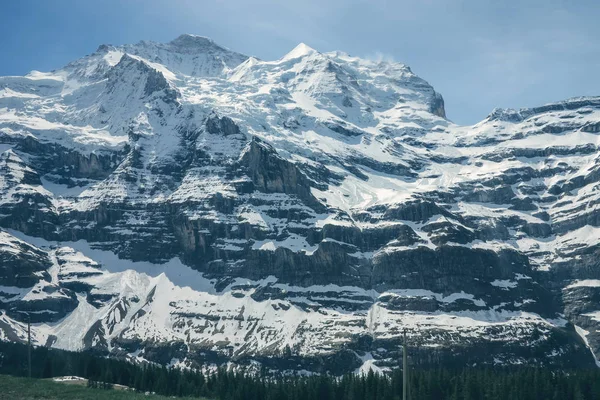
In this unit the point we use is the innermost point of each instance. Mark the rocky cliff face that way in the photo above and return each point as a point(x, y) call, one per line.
point(186, 204)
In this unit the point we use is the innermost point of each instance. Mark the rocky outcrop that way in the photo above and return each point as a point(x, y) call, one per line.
point(21, 265)
point(272, 174)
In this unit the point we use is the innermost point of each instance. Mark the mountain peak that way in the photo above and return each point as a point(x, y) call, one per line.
point(299, 51)
point(188, 38)
point(188, 54)
point(105, 48)
point(194, 42)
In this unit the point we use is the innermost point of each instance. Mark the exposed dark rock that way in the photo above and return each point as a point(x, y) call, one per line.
point(417, 211)
point(45, 308)
point(270, 173)
point(23, 265)
point(221, 125)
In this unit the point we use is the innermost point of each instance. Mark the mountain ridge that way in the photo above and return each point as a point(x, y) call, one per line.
point(185, 204)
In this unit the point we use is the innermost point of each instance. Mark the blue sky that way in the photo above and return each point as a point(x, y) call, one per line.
point(479, 54)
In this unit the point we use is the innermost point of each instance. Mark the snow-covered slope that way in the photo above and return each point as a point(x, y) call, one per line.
point(186, 204)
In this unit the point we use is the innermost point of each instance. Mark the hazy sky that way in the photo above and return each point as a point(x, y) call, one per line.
point(479, 54)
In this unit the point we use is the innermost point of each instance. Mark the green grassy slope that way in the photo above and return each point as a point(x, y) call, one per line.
point(12, 388)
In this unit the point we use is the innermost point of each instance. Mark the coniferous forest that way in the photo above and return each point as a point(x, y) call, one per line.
point(515, 383)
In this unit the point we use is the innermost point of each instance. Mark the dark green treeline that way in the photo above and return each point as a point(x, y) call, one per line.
point(515, 383)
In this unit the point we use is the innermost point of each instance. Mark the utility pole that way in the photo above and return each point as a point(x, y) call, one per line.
point(404, 369)
point(29, 343)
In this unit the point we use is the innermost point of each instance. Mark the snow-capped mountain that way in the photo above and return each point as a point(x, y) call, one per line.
point(186, 204)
